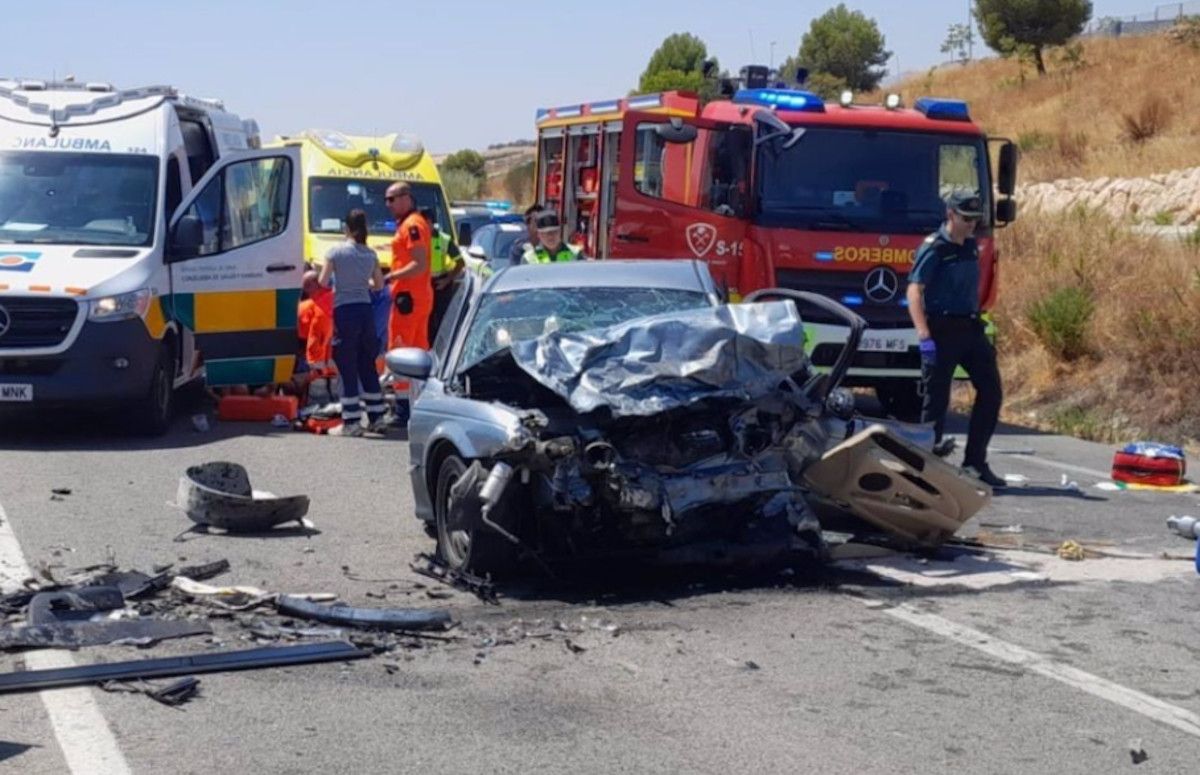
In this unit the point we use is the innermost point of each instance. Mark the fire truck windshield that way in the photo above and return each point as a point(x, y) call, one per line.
point(866, 180)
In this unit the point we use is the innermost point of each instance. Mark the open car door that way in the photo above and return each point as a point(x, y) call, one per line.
point(683, 191)
point(235, 248)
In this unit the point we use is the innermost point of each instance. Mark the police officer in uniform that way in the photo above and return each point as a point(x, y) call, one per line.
point(550, 247)
point(943, 301)
point(444, 270)
point(531, 239)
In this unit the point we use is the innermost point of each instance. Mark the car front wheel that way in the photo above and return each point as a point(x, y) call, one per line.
point(464, 543)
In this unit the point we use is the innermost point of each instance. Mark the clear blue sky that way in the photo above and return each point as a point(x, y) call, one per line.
point(459, 74)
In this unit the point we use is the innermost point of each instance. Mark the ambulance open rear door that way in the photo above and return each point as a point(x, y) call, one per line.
point(235, 251)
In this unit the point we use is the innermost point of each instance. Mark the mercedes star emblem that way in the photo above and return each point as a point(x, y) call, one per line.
point(5, 321)
point(881, 285)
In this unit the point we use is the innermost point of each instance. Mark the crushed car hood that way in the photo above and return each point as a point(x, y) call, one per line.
point(655, 364)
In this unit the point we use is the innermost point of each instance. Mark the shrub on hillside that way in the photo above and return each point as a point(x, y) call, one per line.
point(1186, 32)
point(1035, 140)
point(1060, 320)
point(1150, 120)
point(1072, 146)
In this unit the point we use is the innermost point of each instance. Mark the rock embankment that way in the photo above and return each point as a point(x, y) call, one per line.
point(1174, 195)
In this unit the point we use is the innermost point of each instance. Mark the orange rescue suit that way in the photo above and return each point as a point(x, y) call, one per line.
point(315, 326)
point(411, 329)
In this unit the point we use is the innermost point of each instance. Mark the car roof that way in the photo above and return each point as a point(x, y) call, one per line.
point(681, 274)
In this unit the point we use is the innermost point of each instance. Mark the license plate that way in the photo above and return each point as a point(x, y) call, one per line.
point(883, 344)
point(10, 392)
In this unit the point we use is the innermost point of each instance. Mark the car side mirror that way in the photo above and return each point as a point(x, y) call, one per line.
point(1006, 210)
point(464, 234)
point(476, 251)
point(675, 131)
point(412, 362)
point(186, 238)
point(1006, 177)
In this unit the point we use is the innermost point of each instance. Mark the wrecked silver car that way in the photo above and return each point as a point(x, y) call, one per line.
point(595, 410)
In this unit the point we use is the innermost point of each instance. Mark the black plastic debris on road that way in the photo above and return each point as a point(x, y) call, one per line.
point(140, 632)
point(217, 662)
point(173, 694)
point(390, 619)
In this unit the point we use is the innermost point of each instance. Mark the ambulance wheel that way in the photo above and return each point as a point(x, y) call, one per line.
point(901, 399)
point(464, 543)
point(154, 413)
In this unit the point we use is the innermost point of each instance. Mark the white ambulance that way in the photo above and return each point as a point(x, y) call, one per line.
point(145, 242)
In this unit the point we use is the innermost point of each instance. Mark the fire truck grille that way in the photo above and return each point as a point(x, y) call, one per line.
point(838, 286)
point(36, 322)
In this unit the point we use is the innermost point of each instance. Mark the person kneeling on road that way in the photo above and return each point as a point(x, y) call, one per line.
point(943, 301)
point(356, 270)
point(550, 247)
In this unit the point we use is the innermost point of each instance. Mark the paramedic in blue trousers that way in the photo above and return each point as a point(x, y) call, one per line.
point(943, 301)
point(353, 270)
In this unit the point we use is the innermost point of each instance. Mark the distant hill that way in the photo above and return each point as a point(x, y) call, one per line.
point(1125, 107)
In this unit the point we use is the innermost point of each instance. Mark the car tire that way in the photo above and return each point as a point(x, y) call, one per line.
point(901, 399)
point(464, 543)
point(153, 414)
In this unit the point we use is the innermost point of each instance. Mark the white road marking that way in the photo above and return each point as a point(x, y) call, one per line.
point(1101, 475)
point(1130, 699)
point(87, 742)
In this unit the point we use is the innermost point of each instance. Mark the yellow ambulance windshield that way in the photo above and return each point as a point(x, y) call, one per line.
point(330, 199)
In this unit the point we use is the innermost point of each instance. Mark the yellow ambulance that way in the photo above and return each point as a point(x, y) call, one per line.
point(345, 172)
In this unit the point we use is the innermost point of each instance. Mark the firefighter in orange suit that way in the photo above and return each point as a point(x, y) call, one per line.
point(411, 286)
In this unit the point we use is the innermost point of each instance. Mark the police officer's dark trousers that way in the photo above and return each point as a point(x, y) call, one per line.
point(961, 341)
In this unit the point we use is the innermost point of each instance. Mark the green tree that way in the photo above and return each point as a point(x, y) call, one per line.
point(678, 63)
point(461, 185)
point(467, 160)
point(845, 44)
point(518, 181)
point(1013, 27)
point(959, 38)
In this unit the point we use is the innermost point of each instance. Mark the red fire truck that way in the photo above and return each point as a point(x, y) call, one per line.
point(774, 187)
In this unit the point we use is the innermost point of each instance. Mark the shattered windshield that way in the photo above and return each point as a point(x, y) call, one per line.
point(504, 318)
point(856, 180)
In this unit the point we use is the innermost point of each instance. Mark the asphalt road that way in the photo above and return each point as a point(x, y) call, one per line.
point(1002, 660)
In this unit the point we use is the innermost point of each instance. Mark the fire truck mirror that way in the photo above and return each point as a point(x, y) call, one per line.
point(1006, 178)
point(1006, 211)
point(676, 132)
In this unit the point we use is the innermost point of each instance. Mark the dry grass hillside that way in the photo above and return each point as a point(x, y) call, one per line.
point(1125, 107)
point(1099, 334)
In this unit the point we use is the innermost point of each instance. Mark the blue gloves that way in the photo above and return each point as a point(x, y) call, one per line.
point(928, 352)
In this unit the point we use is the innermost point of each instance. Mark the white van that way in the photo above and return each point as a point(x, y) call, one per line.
point(144, 242)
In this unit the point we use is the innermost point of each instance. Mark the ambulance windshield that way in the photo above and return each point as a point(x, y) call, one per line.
point(329, 199)
point(866, 180)
point(77, 198)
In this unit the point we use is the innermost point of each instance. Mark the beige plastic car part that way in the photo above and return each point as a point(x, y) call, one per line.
point(897, 487)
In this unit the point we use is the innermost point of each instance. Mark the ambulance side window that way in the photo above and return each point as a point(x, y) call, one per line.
point(256, 200)
point(246, 203)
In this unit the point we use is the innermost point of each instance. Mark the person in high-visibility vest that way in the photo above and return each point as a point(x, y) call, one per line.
point(411, 287)
point(444, 270)
point(550, 247)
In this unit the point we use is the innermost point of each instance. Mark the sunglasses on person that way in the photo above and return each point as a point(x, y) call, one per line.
point(396, 196)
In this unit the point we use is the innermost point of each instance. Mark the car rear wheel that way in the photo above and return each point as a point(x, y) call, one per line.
point(464, 543)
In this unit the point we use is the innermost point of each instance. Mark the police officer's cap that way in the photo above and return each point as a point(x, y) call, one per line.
point(965, 203)
point(547, 221)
